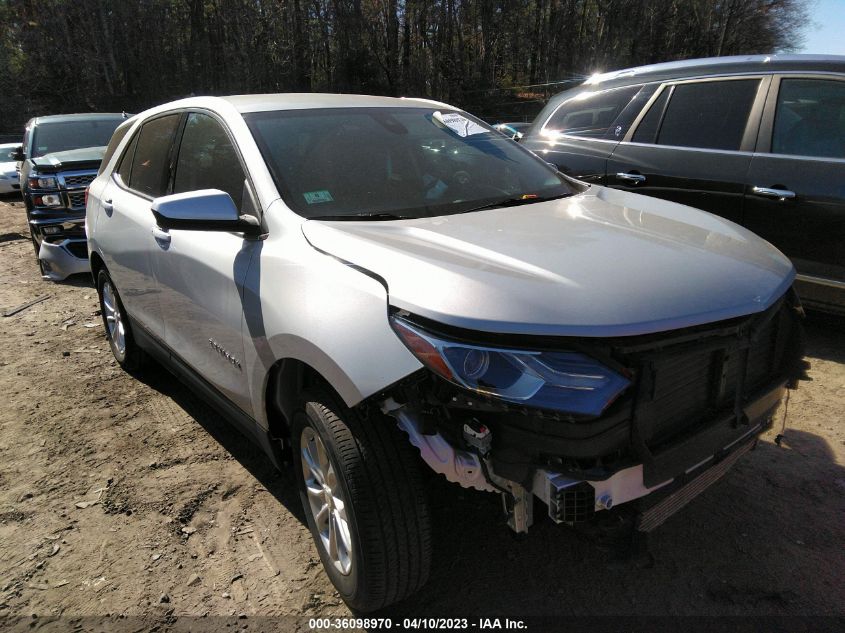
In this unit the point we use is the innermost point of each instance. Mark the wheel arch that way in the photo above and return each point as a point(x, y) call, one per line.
point(97, 264)
point(286, 380)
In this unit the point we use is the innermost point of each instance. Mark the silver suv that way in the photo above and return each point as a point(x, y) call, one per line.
point(365, 285)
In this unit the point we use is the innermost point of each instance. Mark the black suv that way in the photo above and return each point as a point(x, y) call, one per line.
point(759, 140)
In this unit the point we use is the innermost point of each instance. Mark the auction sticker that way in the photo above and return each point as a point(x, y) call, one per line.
point(313, 197)
point(460, 125)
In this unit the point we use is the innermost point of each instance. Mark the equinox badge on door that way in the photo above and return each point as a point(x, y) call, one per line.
point(219, 349)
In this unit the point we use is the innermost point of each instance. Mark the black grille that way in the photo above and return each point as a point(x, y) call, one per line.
point(688, 386)
point(78, 249)
point(76, 198)
point(79, 181)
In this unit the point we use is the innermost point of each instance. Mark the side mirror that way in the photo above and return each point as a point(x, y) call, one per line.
point(203, 210)
point(17, 154)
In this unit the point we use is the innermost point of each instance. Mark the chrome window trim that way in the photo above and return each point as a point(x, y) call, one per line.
point(821, 281)
point(709, 150)
point(557, 137)
point(818, 159)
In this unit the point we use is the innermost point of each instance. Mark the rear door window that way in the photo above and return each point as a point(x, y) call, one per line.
point(709, 115)
point(208, 160)
point(151, 165)
point(590, 114)
point(810, 118)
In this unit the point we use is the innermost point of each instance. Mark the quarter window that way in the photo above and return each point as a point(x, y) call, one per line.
point(590, 114)
point(647, 129)
point(710, 115)
point(810, 118)
point(118, 135)
point(207, 159)
point(126, 161)
point(151, 165)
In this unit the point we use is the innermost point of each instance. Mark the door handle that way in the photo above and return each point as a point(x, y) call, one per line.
point(108, 207)
point(160, 235)
point(773, 192)
point(632, 178)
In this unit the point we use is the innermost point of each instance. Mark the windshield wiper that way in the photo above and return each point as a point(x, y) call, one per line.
point(360, 216)
point(514, 202)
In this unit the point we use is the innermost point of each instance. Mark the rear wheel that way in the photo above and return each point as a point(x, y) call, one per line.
point(116, 322)
point(363, 497)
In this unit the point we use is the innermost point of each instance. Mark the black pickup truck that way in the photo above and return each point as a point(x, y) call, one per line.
point(59, 157)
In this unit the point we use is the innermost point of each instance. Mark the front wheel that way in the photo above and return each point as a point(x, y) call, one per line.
point(363, 497)
point(37, 248)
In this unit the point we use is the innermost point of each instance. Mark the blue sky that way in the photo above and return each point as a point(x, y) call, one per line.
point(826, 33)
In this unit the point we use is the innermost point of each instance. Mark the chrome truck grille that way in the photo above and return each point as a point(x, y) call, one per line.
point(79, 180)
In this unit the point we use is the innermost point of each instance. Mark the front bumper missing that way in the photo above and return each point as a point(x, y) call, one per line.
point(694, 464)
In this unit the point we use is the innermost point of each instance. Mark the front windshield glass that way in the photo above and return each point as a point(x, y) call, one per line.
point(382, 163)
point(60, 136)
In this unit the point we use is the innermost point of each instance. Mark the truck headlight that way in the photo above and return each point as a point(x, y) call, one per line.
point(48, 200)
point(560, 380)
point(43, 182)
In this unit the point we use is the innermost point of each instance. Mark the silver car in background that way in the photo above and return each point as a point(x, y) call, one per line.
point(365, 285)
point(8, 169)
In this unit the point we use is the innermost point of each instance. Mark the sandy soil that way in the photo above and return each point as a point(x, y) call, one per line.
point(130, 500)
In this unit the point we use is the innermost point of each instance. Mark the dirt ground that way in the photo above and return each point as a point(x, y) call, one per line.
point(128, 500)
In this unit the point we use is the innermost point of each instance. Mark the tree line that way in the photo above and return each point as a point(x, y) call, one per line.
point(497, 58)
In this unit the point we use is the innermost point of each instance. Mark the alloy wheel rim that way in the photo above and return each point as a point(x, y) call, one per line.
point(325, 501)
point(114, 320)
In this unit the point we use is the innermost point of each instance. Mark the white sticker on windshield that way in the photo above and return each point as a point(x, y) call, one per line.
point(460, 125)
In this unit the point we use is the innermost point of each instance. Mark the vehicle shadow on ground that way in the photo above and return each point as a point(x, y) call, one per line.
point(280, 484)
point(746, 546)
point(80, 280)
point(12, 237)
point(825, 336)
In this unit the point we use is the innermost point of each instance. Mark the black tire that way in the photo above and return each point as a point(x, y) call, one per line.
point(385, 501)
point(130, 356)
point(37, 247)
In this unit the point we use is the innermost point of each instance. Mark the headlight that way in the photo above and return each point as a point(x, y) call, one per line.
point(563, 381)
point(43, 182)
point(48, 200)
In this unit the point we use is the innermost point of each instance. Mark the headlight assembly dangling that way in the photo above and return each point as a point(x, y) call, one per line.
point(570, 382)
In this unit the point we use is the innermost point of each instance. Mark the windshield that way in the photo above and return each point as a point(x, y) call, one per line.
point(60, 136)
point(384, 163)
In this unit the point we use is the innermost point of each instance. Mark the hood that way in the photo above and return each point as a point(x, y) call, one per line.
point(602, 263)
point(76, 158)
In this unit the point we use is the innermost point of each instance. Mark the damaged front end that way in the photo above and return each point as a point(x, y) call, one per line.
point(588, 424)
